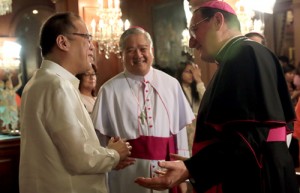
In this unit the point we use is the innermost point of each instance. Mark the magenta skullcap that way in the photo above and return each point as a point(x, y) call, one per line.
point(216, 4)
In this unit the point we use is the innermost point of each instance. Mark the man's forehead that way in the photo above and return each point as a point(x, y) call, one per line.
point(79, 25)
point(196, 16)
point(137, 39)
point(130, 46)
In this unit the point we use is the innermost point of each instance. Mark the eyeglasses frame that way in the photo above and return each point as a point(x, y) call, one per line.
point(89, 37)
point(192, 29)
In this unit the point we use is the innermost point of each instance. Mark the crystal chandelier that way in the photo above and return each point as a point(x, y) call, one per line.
point(5, 6)
point(108, 26)
point(185, 33)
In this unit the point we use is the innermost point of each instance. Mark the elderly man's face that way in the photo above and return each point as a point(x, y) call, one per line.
point(137, 54)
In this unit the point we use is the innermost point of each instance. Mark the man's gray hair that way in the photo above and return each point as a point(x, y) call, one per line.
point(131, 31)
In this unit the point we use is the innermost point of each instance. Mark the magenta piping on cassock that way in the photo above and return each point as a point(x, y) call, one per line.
point(219, 127)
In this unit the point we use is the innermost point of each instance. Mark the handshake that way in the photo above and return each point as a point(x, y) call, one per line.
point(124, 149)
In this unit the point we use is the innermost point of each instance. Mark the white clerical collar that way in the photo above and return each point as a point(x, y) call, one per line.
point(147, 77)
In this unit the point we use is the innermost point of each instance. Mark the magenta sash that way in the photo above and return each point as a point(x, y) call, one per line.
point(152, 148)
point(277, 134)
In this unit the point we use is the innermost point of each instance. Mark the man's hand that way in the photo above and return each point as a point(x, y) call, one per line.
point(196, 71)
point(174, 173)
point(126, 162)
point(177, 157)
point(121, 146)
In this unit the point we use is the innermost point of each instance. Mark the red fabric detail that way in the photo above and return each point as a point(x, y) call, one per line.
point(200, 145)
point(259, 163)
point(215, 189)
point(18, 100)
point(277, 134)
point(296, 133)
point(153, 148)
point(219, 127)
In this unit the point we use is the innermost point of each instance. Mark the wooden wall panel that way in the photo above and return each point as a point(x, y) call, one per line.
point(139, 13)
point(8, 21)
point(9, 165)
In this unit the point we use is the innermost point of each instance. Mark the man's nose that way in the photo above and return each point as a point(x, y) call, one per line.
point(91, 45)
point(138, 52)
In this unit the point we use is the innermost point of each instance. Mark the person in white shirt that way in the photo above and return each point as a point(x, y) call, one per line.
point(60, 151)
point(145, 106)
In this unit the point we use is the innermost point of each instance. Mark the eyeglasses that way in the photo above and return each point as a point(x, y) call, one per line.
point(193, 28)
point(89, 75)
point(86, 36)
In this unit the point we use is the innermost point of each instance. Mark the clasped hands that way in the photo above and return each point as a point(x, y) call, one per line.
point(124, 149)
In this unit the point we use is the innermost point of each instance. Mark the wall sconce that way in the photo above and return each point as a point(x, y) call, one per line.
point(9, 55)
point(5, 6)
point(9, 63)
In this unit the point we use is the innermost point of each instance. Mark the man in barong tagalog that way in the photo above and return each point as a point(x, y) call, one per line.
point(239, 144)
point(60, 151)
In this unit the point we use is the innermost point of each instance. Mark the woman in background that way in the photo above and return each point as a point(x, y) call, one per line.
point(189, 77)
point(289, 74)
point(87, 87)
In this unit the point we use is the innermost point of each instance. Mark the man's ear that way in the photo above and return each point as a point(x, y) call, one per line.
point(62, 42)
point(152, 51)
point(218, 20)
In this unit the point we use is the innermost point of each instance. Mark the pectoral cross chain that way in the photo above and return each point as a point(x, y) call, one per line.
point(143, 117)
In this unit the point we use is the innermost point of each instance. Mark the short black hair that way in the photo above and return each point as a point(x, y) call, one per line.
point(288, 68)
point(57, 24)
point(80, 77)
point(284, 59)
point(193, 85)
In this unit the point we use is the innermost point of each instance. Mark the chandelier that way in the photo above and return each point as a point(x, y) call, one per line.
point(5, 6)
point(108, 27)
point(186, 50)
